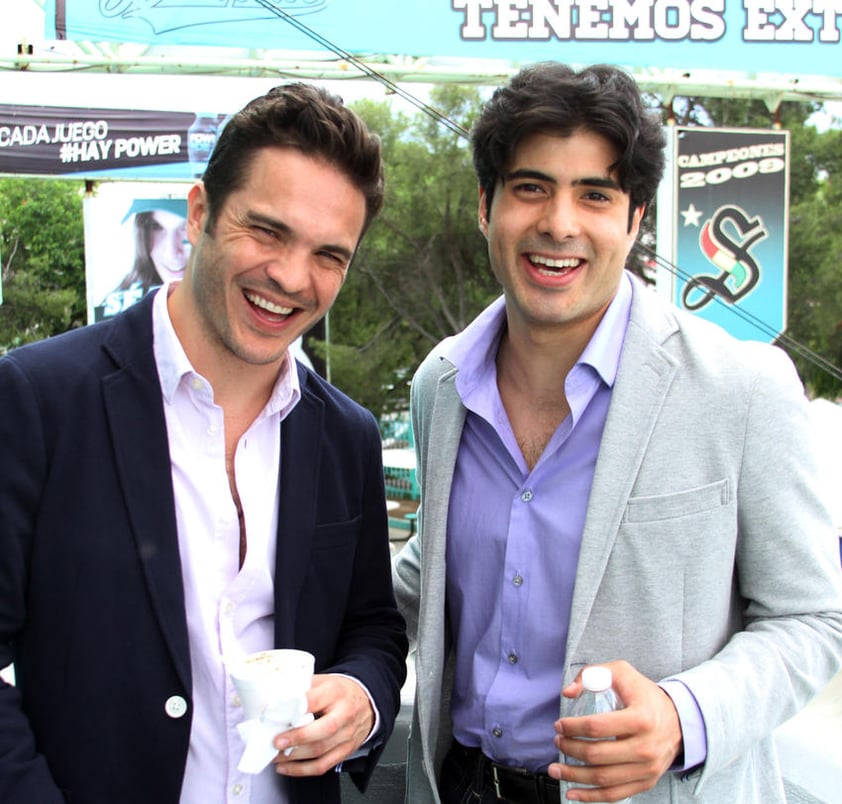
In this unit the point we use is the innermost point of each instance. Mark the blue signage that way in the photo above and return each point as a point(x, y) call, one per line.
point(745, 35)
point(730, 217)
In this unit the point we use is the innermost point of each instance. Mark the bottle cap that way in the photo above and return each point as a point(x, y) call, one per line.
point(596, 678)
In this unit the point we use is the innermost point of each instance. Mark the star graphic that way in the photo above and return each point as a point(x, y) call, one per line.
point(691, 216)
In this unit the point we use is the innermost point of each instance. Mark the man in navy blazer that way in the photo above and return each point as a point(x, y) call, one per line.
point(108, 565)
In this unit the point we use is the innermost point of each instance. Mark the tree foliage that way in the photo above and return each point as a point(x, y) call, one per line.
point(422, 271)
point(815, 257)
point(42, 254)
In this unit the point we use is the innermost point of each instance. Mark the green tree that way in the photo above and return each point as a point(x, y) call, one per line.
point(815, 247)
point(422, 271)
point(42, 259)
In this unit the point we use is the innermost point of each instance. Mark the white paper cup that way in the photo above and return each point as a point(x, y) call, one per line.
point(274, 684)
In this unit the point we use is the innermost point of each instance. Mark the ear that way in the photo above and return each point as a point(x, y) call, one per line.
point(634, 223)
point(197, 212)
point(482, 214)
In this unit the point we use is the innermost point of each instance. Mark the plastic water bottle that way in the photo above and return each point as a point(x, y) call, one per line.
point(597, 697)
point(201, 139)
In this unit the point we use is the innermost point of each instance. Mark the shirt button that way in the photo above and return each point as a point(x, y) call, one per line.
point(512, 658)
point(497, 731)
point(228, 608)
point(237, 789)
point(518, 580)
point(526, 496)
point(236, 700)
point(212, 430)
point(196, 383)
point(175, 706)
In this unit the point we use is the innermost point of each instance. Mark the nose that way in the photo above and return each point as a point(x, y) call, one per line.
point(558, 219)
point(176, 246)
point(290, 271)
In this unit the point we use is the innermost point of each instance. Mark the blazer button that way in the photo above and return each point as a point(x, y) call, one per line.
point(175, 706)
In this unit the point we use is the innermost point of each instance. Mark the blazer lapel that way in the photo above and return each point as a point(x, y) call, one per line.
point(135, 414)
point(445, 430)
point(301, 438)
point(446, 423)
point(644, 376)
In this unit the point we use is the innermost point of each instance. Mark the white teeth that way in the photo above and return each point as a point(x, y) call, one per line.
point(555, 265)
point(265, 304)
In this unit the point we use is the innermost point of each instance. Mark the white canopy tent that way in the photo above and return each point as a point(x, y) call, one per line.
point(26, 52)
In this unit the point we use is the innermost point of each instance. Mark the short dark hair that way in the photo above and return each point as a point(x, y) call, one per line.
point(552, 98)
point(301, 116)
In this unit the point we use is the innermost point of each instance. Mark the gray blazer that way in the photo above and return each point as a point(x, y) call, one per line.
point(706, 554)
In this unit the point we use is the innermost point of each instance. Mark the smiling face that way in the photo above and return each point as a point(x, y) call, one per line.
point(558, 233)
point(272, 265)
point(168, 244)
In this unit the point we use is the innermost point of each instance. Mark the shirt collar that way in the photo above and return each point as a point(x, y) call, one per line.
point(174, 366)
point(474, 351)
point(606, 344)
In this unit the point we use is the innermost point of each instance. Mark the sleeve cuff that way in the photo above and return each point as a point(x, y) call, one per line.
point(366, 747)
point(693, 732)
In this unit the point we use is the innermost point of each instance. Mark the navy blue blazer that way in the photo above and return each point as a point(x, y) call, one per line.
point(91, 599)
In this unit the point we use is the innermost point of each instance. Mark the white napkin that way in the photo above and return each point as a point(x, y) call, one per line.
point(259, 734)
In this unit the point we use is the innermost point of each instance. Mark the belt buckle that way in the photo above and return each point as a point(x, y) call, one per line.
point(496, 779)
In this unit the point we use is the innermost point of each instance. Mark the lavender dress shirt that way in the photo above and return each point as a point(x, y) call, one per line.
point(512, 550)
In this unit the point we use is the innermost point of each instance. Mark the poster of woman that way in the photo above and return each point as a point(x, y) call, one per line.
point(135, 240)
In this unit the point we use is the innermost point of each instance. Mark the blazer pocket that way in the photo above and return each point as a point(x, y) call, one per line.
point(336, 534)
point(678, 504)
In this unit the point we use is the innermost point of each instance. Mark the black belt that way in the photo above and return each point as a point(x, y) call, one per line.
point(509, 784)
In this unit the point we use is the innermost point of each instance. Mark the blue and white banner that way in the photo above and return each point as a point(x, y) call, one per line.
point(731, 216)
point(799, 36)
point(105, 143)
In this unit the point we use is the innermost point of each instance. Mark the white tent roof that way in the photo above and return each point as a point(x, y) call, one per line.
point(22, 31)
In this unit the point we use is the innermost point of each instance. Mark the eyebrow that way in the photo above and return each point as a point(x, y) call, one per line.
point(586, 181)
point(267, 222)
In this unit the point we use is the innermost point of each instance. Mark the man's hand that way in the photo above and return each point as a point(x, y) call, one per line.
point(647, 740)
point(344, 719)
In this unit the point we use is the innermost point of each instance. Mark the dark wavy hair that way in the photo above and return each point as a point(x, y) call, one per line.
point(552, 98)
point(300, 116)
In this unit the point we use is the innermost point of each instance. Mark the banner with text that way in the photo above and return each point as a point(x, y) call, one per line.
point(105, 143)
point(731, 216)
point(740, 35)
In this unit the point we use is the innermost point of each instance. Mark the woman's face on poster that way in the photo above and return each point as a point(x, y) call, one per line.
point(168, 244)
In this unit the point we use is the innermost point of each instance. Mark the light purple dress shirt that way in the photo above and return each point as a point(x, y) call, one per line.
point(230, 610)
point(513, 538)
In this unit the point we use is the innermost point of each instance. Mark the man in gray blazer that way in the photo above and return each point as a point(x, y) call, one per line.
point(605, 480)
